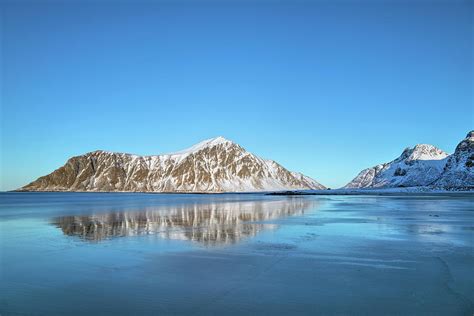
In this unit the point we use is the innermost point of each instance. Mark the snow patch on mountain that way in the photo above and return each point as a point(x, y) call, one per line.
point(200, 146)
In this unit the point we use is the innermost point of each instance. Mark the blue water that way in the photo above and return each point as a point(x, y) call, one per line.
point(120, 254)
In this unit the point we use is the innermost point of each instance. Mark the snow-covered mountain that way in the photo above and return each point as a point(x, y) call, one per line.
point(423, 166)
point(459, 169)
point(214, 165)
point(418, 166)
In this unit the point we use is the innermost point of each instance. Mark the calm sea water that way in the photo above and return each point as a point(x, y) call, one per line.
point(93, 253)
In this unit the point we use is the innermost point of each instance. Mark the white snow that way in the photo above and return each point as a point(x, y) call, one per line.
point(201, 145)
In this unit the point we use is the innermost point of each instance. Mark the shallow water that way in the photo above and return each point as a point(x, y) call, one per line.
point(83, 253)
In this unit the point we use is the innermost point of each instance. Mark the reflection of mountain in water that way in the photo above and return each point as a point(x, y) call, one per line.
point(211, 224)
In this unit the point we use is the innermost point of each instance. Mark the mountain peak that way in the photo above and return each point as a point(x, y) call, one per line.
point(467, 143)
point(423, 152)
point(207, 143)
point(217, 140)
point(97, 152)
point(419, 147)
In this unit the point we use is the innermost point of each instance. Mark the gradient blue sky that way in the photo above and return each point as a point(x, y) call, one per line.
point(323, 87)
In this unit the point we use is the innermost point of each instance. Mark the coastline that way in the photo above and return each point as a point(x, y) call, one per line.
point(414, 191)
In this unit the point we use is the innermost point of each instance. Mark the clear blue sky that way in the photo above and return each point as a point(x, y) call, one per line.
point(323, 87)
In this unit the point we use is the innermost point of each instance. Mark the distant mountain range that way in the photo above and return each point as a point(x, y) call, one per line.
point(220, 165)
point(214, 165)
point(423, 166)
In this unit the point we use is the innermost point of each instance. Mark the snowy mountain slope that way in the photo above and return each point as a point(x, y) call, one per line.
point(459, 169)
point(214, 165)
point(310, 182)
point(417, 166)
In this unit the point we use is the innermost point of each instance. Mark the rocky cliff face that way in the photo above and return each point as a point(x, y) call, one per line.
point(418, 166)
point(214, 165)
point(459, 169)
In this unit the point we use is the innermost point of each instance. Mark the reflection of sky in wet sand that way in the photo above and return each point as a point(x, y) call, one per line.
point(210, 224)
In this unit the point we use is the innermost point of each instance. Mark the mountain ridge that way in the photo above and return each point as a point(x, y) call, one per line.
point(423, 165)
point(213, 165)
